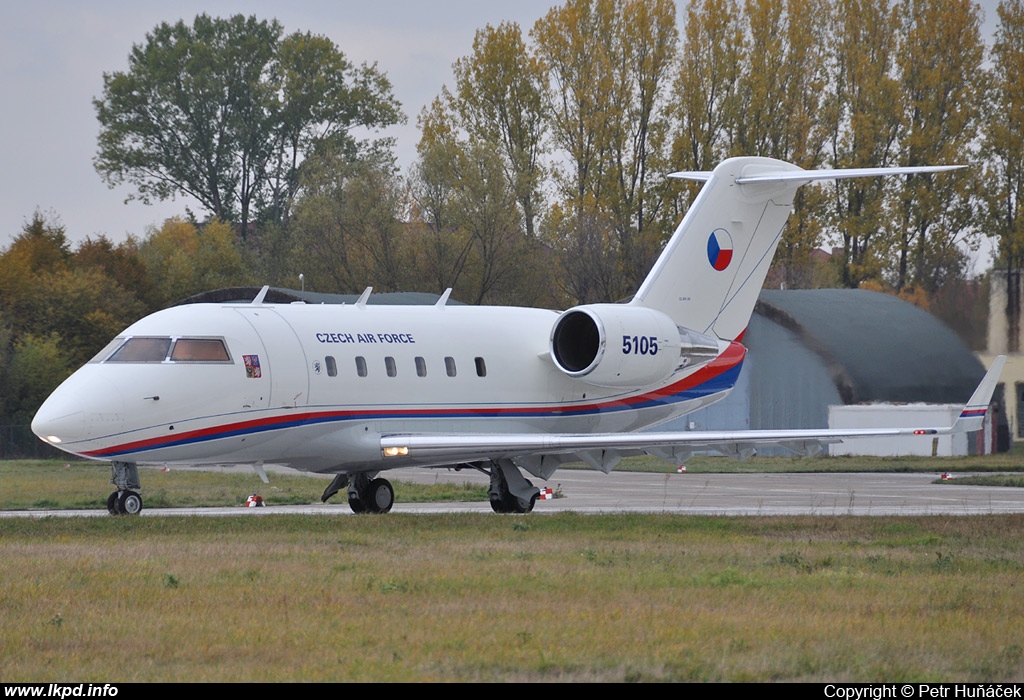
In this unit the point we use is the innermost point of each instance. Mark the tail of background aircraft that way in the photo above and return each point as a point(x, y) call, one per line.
point(712, 269)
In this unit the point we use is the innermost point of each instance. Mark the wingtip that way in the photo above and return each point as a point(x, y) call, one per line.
point(973, 414)
point(698, 175)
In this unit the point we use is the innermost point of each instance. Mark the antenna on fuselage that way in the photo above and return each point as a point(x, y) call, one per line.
point(443, 299)
point(364, 297)
point(262, 295)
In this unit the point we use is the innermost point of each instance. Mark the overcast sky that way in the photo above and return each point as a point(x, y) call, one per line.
point(53, 54)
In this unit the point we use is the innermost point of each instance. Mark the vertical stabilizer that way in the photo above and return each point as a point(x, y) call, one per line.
point(709, 275)
point(712, 269)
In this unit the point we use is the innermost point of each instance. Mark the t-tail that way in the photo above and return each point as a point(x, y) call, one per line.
point(697, 300)
point(712, 269)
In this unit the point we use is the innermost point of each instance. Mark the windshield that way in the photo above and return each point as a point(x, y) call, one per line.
point(165, 349)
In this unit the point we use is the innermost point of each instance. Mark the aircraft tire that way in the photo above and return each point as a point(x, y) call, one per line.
point(356, 504)
point(380, 496)
point(112, 504)
point(129, 503)
point(522, 505)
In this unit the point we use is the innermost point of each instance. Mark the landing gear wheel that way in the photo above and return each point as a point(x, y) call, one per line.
point(514, 504)
point(524, 506)
point(129, 503)
point(112, 504)
point(380, 496)
point(356, 503)
point(502, 498)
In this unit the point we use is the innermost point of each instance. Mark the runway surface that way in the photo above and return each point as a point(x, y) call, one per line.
point(686, 494)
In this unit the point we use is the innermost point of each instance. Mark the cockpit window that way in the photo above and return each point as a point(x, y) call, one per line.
point(142, 350)
point(200, 350)
point(152, 349)
point(109, 348)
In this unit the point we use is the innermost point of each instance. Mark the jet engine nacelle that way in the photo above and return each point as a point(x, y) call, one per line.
point(613, 345)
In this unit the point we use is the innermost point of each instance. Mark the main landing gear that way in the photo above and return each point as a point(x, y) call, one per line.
point(124, 501)
point(366, 494)
point(510, 491)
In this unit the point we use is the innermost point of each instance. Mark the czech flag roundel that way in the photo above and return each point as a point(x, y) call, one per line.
point(719, 249)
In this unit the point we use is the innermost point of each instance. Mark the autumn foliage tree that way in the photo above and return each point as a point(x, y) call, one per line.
point(609, 67)
point(477, 185)
point(1003, 149)
point(56, 311)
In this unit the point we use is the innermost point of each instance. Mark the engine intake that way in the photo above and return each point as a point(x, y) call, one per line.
point(613, 345)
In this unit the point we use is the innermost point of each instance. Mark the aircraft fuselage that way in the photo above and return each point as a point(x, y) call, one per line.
point(315, 386)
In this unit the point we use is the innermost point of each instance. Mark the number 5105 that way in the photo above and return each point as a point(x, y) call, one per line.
point(639, 345)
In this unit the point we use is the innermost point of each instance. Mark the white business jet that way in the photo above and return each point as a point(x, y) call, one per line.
point(355, 390)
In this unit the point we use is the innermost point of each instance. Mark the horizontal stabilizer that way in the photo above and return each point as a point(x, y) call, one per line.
point(698, 175)
point(803, 176)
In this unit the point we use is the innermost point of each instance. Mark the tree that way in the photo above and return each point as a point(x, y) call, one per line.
point(942, 84)
point(1004, 136)
point(781, 89)
point(1003, 153)
point(120, 263)
point(82, 309)
point(704, 100)
point(37, 366)
point(347, 230)
point(182, 260)
point(609, 65)
point(40, 249)
point(499, 102)
point(865, 119)
point(224, 111)
point(470, 234)
point(45, 293)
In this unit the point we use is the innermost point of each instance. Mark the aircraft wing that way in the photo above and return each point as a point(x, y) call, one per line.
point(542, 453)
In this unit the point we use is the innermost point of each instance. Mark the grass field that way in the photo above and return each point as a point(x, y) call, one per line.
point(509, 598)
point(485, 597)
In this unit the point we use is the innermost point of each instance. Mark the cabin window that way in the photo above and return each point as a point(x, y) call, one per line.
point(332, 366)
point(421, 367)
point(200, 350)
point(389, 365)
point(449, 366)
point(361, 366)
point(142, 349)
point(481, 367)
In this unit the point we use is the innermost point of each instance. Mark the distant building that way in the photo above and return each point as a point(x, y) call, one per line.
point(812, 349)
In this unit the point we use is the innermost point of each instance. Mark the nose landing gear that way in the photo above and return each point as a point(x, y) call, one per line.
point(124, 501)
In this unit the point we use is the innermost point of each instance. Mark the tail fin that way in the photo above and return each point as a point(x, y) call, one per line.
point(712, 269)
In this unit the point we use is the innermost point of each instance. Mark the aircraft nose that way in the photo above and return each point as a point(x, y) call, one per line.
point(81, 408)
